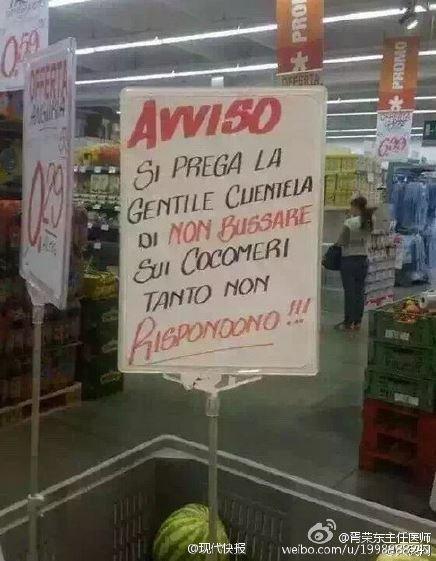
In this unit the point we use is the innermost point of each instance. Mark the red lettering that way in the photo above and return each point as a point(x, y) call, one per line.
point(153, 341)
point(271, 103)
point(141, 340)
point(145, 128)
point(259, 118)
point(191, 122)
point(239, 109)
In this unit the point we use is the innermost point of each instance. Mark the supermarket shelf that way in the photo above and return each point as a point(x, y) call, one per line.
point(14, 128)
point(49, 403)
point(103, 170)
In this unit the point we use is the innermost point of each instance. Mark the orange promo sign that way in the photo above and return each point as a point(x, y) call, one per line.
point(399, 78)
point(300, 34)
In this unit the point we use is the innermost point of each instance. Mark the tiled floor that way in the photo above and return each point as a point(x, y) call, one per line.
point(306, 427)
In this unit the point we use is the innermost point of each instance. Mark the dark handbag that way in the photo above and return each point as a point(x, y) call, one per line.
point(332, 258)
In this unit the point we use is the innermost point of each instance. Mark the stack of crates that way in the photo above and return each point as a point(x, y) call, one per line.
point(399, 413)
point(98, 371)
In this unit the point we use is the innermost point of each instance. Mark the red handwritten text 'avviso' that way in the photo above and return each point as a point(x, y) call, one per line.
point(255, 116)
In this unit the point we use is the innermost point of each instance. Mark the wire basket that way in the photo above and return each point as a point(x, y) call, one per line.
point(113, 511)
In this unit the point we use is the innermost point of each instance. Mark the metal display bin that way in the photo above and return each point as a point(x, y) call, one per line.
point(111, 512)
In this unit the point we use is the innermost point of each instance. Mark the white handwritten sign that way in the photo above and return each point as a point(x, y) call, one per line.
point(49, 101)
point(394, 133)
point(220, 230)
point(23, 32)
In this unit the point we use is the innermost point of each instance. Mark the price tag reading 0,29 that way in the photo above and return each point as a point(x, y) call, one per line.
point(46, 206)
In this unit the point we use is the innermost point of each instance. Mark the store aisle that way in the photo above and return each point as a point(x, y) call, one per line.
point(305, 427)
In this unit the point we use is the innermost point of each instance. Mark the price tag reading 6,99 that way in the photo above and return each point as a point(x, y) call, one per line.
point(46, 206)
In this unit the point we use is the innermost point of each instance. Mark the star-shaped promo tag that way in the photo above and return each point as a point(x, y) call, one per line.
point(396, 103)
point(300, 62)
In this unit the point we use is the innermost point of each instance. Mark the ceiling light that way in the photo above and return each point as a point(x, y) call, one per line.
point(351, 136)
point(412, 24)
point(362, 113)
point(358, 16)
point(362, 130)
point(360, 136)
point(213, 71)
point(340, 101)
point(59, 3)
point(188, 73)
point(156, 42)
point(356, 113)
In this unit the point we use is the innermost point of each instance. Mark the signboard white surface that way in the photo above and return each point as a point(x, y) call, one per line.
point(49, 105)
point(221, 206)
point(23, 32)
point(394, 133)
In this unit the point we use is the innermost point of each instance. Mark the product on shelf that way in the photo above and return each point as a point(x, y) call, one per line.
point(98, 371)
point(349, 175)
point(60, 330)
point(98, 155)
point(100, 285)
point(379, 286)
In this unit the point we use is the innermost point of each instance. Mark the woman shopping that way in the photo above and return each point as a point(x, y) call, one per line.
point(354, 241)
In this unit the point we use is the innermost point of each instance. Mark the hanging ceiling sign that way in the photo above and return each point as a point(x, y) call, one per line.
point(23, 32)
point(300, 36)
point(397, 97)
point(49, 115)
point(220, 223)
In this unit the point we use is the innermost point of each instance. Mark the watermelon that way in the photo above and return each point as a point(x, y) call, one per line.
point(188, 525)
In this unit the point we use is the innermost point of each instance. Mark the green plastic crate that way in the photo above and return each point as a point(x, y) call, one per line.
point(384, 326)
point(404, 361)
point(400, 390)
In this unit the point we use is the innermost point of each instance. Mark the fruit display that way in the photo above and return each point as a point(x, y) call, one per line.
point(188, 525)
point(410, 311)
point(98, 155)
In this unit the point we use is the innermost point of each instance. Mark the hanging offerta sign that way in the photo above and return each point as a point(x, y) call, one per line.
point(300, 35)
point(398, 87)
point(23, 32)
point(220, 230)
point(49, 114)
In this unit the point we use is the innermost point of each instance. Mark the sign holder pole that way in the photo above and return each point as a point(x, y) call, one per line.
point(34, 498)
point(212, 384)
point(212, 412)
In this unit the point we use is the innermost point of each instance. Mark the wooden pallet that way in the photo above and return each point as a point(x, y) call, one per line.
point(49, 403)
